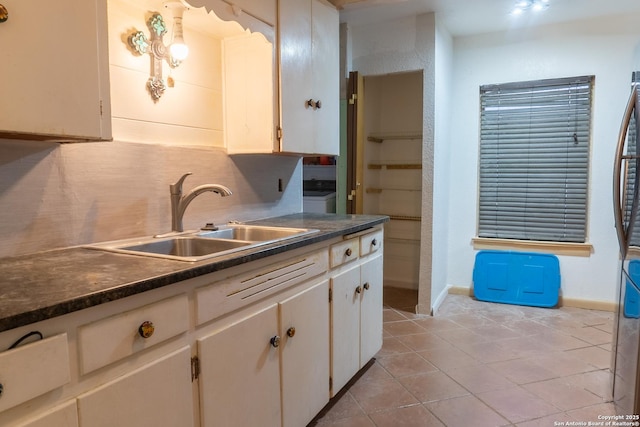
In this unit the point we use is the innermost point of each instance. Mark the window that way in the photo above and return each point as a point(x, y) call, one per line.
point(534, 159)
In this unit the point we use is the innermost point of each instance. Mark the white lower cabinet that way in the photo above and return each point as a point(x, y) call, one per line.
point(305, 354)
point(266, 343)
point(270, 368)
point(157, 394)
point(65, 415)
point(240, 373)
point(356, 319)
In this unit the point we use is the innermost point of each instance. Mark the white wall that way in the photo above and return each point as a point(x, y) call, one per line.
point(603, 47)
point(63, 195)
point(407, 44)
point(442, 163)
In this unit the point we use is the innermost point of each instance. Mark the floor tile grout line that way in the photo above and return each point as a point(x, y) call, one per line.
point(470, 307)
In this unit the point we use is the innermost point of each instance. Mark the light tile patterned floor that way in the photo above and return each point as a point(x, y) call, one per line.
point(480, 364)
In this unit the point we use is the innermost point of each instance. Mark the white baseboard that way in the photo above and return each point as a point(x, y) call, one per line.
point(439, 300)
point(562, 301)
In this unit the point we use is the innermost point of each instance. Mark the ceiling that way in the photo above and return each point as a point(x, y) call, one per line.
point(466, 17)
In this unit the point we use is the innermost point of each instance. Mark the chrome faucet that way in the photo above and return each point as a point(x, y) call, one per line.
point(179, 202)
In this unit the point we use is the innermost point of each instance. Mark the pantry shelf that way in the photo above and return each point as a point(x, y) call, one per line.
point(390, 166)
point(372, 190)
point(381, 138)
point(404, 218)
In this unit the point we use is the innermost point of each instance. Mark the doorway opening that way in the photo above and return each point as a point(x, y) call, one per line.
point(384, 140)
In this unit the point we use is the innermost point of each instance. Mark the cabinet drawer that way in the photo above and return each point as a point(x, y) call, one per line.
point(371, 242)
point(344, 252)
point(113, 338)
point(33, 369)
point(222, 297)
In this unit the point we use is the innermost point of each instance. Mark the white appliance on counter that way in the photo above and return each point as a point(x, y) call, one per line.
point(319, 189)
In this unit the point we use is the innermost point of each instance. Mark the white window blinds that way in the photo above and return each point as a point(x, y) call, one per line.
point(534, 159)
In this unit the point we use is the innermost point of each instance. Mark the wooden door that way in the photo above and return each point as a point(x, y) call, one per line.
point(355, 172)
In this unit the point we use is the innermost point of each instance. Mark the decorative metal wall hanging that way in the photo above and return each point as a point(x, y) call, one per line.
point(156, 48)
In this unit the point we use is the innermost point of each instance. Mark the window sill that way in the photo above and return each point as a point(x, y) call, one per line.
point(556, 248)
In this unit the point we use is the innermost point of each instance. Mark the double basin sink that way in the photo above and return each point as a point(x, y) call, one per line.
point(196, 246)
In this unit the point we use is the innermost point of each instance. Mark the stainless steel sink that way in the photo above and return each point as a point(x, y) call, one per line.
point(196, 246)
point(256, 233)
point(185, 248)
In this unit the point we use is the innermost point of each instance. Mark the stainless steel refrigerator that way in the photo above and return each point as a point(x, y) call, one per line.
point(626, 190)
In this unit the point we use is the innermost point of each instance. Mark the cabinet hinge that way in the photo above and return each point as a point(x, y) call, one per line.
point(195, 368)
point(353, 99)
point(330, 383)
point(279, 134)
point(330, 294)
point(101, 108)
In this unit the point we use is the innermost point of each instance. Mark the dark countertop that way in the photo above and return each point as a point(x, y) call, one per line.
point(43, 285)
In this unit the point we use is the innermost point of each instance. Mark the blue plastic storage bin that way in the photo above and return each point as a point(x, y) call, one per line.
point(517, 278)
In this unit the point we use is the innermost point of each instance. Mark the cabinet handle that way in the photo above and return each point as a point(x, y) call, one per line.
point(275, 341)
point(146, 329)
point(310, 103)
point(366, 286)
point(318, 104)
point(348, 252)
point(291, 332)
point(359, 290)
point(374, 242)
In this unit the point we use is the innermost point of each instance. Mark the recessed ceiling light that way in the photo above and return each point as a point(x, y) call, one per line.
point(534, 5)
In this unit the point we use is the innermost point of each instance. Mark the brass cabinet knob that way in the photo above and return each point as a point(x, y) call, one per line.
point(348, 252)
point(146, 329)
point(275, 341)
point(366, 286)
point(359, 290)
point(291, 331)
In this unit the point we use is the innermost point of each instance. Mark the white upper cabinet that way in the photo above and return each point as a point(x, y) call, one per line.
point(309, 77)
point(54, 71)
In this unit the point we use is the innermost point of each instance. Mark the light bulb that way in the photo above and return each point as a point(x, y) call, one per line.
point(179, 51)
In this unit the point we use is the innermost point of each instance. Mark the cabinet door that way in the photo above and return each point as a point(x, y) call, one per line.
point(309, 70)
point(65, 415)
point(158, 394)
point(325, 72)
point(295, 74)
point(240, 374)
point(371, 309)
point(345, 328)
point(305, 354)
point(55, 77)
